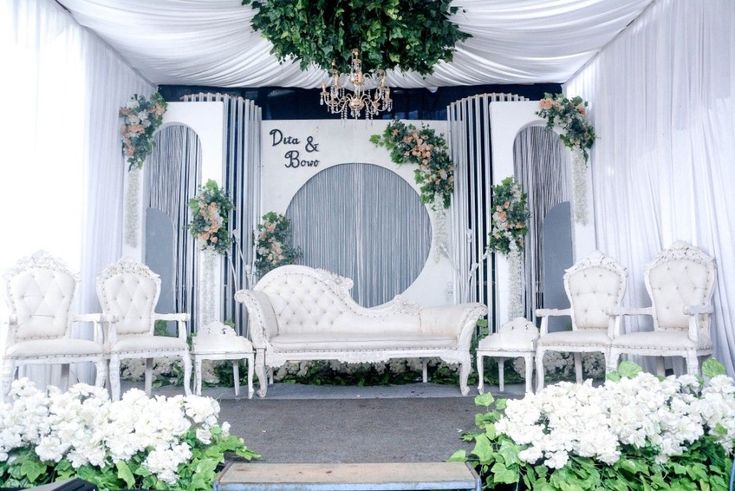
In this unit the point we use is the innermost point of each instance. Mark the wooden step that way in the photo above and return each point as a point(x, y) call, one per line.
point(347, 477)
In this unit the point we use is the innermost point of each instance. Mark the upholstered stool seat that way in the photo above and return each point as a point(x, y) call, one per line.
point(515, 339)
point(217, 341)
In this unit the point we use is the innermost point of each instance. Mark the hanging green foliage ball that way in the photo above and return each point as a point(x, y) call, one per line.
point(411, 35)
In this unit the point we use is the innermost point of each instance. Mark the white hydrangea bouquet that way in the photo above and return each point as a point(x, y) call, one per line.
point(135, 443)
point(636, 431)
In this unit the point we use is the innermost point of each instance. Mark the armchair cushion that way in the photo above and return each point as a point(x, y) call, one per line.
point(148, 343)
point(54, 347)
point(586, 337)
point(310, 341)
point(658, 340)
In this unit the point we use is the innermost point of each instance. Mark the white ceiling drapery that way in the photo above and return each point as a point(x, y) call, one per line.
point(195, 42)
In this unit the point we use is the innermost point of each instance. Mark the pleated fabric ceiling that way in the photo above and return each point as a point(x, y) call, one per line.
point(196, 42)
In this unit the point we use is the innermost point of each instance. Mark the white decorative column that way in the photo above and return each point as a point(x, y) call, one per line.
point(206, 119)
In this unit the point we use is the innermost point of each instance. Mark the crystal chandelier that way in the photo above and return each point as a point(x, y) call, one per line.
point(339, 101)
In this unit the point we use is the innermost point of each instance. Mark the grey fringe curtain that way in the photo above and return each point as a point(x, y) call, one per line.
point(542, 169)
point(242, 181)
point(471, 152)
point(364, 222)
point(172, 175)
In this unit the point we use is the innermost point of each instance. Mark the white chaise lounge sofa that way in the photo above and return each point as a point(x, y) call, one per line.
point(299, 313)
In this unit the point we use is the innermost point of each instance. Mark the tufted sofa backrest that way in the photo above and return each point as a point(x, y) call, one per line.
point(129, 291)
point(39, 293)
point(312, 300)
point(594, 286)
point(679, 277)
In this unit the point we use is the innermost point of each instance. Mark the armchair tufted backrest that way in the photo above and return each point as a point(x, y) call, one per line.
point(679, 277)
point(594, 286)
point(39, 292)
point(314, 300)
point(128, 291)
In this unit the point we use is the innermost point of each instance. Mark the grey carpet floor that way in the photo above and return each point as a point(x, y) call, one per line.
point(351, 430)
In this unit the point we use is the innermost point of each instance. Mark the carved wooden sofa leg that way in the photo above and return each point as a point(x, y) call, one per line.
point(260, 371)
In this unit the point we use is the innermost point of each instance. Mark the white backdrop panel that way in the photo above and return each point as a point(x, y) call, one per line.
point(338, 142)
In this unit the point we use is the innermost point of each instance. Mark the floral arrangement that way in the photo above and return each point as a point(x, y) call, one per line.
point(648, 433)
point(135, 443)
point(559, 365)
point(423, 147)
point(508, 229)
point(272, 243)
point(209, 211)
point(509, 224)
point(570, 115)
point(411, 34)
point(142, 117)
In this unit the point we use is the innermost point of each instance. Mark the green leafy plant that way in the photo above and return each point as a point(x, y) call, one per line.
point(142, 117)
point(407, 34)
point(509, 223)
point(570, 116)
point(704, 464)
point(209, 214)
point(273, 247)
point(425, 148)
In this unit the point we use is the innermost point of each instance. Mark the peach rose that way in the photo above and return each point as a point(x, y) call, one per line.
point(545, 103)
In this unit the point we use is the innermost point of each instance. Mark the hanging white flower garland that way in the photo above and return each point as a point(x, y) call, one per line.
point(142, 117)
point(569, 118)
point(132, 215)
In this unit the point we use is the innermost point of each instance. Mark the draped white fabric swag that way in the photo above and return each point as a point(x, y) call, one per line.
point(62, 169)
point(195, 42)
point(663, 98)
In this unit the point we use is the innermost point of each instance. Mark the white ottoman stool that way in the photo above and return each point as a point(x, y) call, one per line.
point(217, 341)
point(514, 339)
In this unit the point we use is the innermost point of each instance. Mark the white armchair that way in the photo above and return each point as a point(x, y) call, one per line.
point(39, 292)
point(680, 282)
point(594, 287)
point(128, 293)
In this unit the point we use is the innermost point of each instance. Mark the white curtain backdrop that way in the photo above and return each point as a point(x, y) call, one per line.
point(195, 42)
point(62, 168)
point(662, 100)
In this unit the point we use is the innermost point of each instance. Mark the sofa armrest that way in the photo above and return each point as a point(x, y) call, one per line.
point(262, 321)
point(457, 321)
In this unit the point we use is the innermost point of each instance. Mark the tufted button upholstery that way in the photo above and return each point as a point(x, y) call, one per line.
point(304, 304)
point(41, 300)
point(593, 292)
point(675, 284)
point(131, 297)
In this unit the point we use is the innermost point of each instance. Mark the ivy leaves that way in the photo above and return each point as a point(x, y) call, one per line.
point(413, 35)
